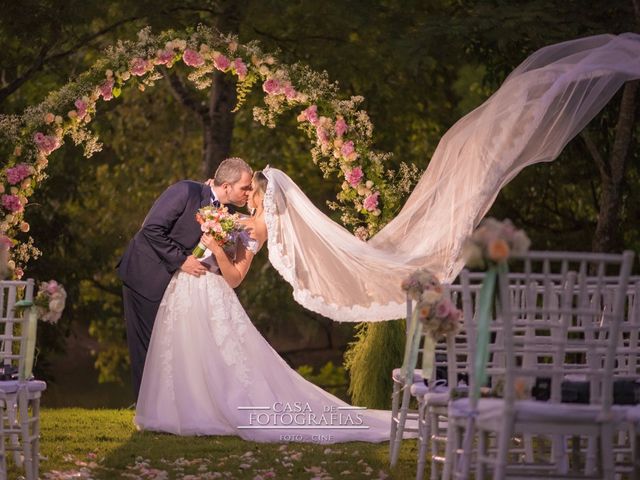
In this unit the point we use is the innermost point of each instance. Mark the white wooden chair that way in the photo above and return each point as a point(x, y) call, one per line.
point(409, 386)
point(553, 334)
point(19, 393)
point(451, 353)
point(403, 417)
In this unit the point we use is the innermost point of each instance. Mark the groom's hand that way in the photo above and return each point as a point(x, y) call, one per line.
point(193, 267)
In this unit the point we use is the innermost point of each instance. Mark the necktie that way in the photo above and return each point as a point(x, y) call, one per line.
point(215, 202)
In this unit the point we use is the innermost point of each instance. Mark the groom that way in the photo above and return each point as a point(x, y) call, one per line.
point(163, 245)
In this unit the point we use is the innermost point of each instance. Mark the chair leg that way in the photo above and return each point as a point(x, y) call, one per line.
point(635, 450)
point(423, 438)
point(35, 410)
point(3, 451)
point(449, 450)
point(503, 444)
point(606, 452)
point(527, 440)
point(558, 454)
point(395, 405)
point(25, 434)
point(12, 422)
point(436, 431)
point(404, 407)
point(481, 464)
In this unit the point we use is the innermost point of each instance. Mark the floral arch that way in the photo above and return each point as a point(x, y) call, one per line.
point(340, 132)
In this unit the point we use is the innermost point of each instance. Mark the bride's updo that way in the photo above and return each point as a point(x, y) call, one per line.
point(260, 182)
point(259, 186)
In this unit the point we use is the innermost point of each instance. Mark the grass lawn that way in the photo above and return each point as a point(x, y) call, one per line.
point(103, 444)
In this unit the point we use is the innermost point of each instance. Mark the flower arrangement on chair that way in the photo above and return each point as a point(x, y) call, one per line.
point(50, 301)
point(494, 242)
point(490, 248)
point(434, 312)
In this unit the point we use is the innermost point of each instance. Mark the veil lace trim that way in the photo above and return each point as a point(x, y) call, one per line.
point(315, 302)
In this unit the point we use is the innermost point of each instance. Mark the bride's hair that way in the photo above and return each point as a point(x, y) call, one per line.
point(260, 181)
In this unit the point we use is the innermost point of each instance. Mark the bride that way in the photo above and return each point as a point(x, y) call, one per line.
point(210, 372)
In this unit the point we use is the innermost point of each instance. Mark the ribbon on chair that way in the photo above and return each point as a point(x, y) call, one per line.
point(411, 348)
point(428, 355)
point(29, 332)
point(487, 296)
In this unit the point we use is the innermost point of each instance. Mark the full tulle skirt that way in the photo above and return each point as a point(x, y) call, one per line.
point(210, 372)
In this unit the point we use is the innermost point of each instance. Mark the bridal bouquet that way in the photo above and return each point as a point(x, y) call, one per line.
point(223, 226)
point(494, 242)
point(434, 309)
point(50, 301)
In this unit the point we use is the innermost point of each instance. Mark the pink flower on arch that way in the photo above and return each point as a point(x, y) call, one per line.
point(18, 173)
point(341, 127)
point(106, 90)
point(271, 86)
point(163, 57)
point(310, 114)
point(192, 58)
point(354, 176)
point(221, 62)
point(11, 203)
point(46, 143)
point(81, 108)
point(139, 66)
point(241, 68)
point(371, 202)
point(347, 148)
point(290, 92)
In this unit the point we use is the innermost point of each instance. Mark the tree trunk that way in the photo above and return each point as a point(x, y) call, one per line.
point(218, 124)
point(608, 236)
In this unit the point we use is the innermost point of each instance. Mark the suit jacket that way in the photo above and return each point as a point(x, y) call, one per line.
point(167, 236)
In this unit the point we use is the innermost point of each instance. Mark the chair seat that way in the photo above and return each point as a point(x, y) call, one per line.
point(437, 399)
point(417, 375)
point(633, 414)
point(491, 412)
point(9, 387)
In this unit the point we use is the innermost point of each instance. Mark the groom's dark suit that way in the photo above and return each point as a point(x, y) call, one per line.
point(167, 236)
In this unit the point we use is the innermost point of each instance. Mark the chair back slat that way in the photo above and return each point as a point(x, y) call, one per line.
point(12, 334)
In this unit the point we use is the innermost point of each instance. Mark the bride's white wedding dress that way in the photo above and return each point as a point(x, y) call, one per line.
point(209, 371)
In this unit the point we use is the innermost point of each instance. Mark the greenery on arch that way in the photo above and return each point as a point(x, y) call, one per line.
point(340, 132)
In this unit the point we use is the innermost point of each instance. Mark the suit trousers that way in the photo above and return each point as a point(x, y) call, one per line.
point(140, 314)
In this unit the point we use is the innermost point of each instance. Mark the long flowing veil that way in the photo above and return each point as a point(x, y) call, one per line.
point(539, 108)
